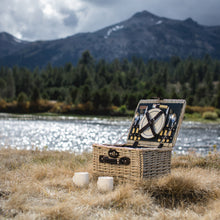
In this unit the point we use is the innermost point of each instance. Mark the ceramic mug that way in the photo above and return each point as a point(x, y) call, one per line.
point(105, 183)
point(81, 179)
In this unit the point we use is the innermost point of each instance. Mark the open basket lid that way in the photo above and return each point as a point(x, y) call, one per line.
point(156, 123)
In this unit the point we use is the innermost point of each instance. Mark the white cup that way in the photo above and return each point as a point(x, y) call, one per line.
point(105, 183)
point(81, 179)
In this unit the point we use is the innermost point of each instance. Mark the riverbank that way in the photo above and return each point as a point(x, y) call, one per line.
point(48, 108)
point(55, 107)
point(38, 185)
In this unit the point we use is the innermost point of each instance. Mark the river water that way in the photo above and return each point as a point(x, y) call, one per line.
point(77, 134)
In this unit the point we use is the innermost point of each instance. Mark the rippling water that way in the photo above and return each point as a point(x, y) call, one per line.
point(78, 134)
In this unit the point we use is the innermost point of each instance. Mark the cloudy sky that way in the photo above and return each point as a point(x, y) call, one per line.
point(52, 19)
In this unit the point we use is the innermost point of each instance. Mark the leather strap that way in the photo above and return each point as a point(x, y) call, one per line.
point(150, 123)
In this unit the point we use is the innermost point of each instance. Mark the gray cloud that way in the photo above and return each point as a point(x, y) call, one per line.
point(71, 20)
point(49, 19)
point(102, 2)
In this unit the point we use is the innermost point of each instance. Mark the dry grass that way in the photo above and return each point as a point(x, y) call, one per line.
point(38, 185)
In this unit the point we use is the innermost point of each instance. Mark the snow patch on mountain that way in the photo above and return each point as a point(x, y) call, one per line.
point(159, 22)
point(116, 28)
point(19, 41)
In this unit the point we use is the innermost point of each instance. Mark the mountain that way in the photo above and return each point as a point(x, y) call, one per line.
point(143, 35)
point(9, 44)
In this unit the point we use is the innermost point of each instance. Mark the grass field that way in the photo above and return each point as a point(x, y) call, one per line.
point(38, 185)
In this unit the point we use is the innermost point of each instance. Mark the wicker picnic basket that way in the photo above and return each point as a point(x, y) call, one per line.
point(150, 140)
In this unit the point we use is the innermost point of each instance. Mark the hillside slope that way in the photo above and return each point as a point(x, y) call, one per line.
point(143, 35)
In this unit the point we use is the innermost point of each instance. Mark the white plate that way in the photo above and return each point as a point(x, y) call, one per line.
point(158, 124)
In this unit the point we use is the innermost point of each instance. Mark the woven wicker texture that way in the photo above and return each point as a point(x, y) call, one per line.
point(150, 140)
point(144, 162)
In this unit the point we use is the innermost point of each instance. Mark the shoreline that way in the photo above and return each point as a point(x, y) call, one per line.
point(187, 116)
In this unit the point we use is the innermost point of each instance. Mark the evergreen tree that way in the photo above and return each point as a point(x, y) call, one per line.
point(86, 59)
point(132, 101)
point(2, 88)
point(216, 75)
point(217, 99)
point(105, 97)
point(10, 90)
point(193, 82)
point(119, 82)
point(188, 70)
point(116, 100)
point(85, 97)
point(164, 78)
point(21, 102)
point(96, 99)
point(175, 60)
point(174, 94)
point(73, 94)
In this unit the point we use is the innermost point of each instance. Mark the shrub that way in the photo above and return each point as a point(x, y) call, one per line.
point(198, 109)
point(123, 109)
point(3, 104)
point(189, 109)
point(210, 115)
point(218, 112)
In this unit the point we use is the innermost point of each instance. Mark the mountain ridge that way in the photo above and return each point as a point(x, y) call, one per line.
point(143, 35)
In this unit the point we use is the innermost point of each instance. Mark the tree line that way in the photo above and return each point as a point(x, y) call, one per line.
point(118, 83)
